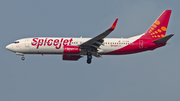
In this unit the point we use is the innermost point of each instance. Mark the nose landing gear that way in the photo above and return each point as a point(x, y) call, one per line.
point(21, 54)
point(23, 58)
point(89, 57)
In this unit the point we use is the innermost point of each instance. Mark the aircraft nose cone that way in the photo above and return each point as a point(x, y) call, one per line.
point(9, 47)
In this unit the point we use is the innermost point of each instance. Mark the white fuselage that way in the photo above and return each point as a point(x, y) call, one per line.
point(53, 45)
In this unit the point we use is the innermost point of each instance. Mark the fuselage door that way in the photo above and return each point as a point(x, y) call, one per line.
point(26, 42)
point(141, 44)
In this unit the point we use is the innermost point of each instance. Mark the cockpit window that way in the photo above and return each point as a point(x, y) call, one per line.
point(16, 42)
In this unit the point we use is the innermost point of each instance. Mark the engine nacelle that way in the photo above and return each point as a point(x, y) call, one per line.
point(71, 57)
point(71, 50)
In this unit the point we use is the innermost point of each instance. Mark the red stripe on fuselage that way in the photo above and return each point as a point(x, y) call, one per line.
point(136, 47)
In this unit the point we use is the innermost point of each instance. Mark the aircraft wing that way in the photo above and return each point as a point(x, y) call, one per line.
point(95, 42)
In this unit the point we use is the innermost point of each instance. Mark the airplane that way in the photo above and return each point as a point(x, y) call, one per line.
point(75, 48)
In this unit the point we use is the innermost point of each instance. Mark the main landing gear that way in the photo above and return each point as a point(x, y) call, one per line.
point(89, 57)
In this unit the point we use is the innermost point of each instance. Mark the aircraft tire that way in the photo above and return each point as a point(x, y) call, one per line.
point(89, 56)
point(89, 61)
point(23, 58)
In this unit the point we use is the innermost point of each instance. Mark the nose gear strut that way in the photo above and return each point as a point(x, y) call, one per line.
point(21, 54)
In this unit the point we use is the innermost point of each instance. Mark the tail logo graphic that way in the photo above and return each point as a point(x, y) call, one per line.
point(159, 27)
point(156, 30)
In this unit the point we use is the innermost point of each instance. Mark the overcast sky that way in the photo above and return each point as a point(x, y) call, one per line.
point(148, 76)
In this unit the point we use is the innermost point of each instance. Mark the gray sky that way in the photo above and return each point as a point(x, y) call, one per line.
point(147, 76)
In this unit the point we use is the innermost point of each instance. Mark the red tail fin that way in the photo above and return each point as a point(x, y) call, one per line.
point(158, 28)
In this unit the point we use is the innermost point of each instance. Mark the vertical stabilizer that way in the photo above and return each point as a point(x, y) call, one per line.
point(159, 27)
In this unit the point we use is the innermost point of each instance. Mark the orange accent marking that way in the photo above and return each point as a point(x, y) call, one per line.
point(162, 35)
point(156, 32)
point(159, 30)
point(112, 27)
point(154, 25)
point(153, 33)
point(158, 35)
point(155, 36)
point(163, 28)
point(152, 28)
point(157, 22)
point(150, 31)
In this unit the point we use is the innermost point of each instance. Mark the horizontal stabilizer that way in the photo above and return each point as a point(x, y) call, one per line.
point(164, 39)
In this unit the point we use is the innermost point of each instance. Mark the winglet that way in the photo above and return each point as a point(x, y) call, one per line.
point(113, 25)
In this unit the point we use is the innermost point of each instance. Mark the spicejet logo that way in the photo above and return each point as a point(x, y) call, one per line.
point(49, 42)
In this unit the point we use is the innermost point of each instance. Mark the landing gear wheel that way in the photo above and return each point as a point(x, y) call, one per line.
point(89, 61)
point(89, 57)
point(23, 58)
